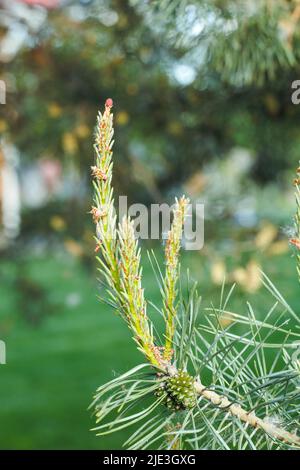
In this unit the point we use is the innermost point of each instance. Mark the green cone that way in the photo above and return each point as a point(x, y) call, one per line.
point(179, 391)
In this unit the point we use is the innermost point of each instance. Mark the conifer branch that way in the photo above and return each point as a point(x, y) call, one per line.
point(172, 249)
point(234, 44)
point(119, 258)
point(132, 294)
point(295, 241)
point(234, 409)
point(103, 211)
point(241, 394)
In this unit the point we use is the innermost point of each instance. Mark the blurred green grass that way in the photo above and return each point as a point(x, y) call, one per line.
point(53, 370)
point(54, 367)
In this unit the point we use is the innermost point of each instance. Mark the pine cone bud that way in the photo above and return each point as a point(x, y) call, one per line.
point(179, 392)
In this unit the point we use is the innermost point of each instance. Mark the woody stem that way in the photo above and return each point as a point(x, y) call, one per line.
point(250, 418)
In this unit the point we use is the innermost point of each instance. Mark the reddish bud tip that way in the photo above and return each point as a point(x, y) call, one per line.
point(109, 103)
point(295, 242)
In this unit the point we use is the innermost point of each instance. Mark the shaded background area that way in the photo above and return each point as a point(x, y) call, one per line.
point(202, 94)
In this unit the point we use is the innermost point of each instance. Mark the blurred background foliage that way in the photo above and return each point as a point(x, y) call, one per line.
point(202, 93)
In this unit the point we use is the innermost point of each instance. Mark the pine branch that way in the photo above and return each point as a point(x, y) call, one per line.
point(250, 418)
point(235, 411)
point(245, 42)
point(103, 211)
point(172, 249)
point(295, 241)
point(119, 258)
point(132, 294)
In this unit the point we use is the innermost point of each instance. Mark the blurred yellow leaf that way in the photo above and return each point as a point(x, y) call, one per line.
point(132, 89)
point(143, 173)
point(266, 236)
point(69, 143)
point(272, 104)
point(175, 128)
point(239, 275)
point(73, 247)
point(123, 21)
point(122, 118)
point(218, 272)
point(278, 248)
point(54, 110)
point(88, 236)
point(195, 184)
point(288, 25)
point(57, 223)
point(117, 60)
point(226, 319)
point(3, 125)
point(254, 281)
point(248, 278)
point(82, 131)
